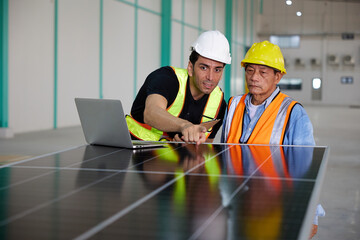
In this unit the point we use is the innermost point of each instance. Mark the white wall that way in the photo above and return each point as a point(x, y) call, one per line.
point(31, 57)
point(333, 91)
point(78, 56)
point(131, 49)
point(118, 51)
point(31, 69)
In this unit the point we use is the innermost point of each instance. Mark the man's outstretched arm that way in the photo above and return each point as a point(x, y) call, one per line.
point(155, 115)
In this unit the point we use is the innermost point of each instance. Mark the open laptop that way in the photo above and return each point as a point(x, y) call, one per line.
point(103, 123)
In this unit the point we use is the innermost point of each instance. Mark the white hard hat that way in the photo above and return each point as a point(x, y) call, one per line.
point(213, 45)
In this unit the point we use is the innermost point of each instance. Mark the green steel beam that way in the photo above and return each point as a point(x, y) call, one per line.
point(101, 50)
point(165, 32)
point(228, 34)
point(55, 62)
point(4, 77)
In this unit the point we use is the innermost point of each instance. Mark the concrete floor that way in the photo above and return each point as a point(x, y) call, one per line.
point(337, 127)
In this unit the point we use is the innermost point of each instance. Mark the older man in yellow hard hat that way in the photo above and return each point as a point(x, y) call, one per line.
point(265, 115)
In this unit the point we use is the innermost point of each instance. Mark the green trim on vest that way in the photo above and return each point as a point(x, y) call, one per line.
point(147, 133)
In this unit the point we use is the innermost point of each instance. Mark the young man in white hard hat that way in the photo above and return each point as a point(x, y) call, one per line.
point(265, 115)
point(173, 102)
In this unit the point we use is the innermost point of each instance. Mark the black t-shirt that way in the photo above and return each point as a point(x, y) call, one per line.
point(164, 81)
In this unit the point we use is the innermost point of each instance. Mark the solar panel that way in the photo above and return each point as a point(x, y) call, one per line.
point(211, 191)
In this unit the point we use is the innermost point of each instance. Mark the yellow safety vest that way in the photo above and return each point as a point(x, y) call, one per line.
point(145, 132)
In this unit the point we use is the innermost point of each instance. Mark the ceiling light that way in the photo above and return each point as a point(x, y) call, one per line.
point(298, 13)
point(288, 2)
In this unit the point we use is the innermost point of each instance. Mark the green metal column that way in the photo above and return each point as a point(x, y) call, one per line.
point(101, 49)
point(228, 34)
point(166, 32)
point(4, 20)
point(55, 62)
point(4, 78)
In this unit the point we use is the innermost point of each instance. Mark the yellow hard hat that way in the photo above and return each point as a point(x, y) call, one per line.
point(265, 53)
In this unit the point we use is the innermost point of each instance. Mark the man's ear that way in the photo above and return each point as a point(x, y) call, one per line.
point(278, 77)
point(190, 69)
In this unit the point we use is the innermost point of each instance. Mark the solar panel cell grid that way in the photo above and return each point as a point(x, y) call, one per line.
point(178, 192)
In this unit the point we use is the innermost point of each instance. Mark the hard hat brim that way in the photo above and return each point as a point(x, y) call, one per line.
point(259, 62)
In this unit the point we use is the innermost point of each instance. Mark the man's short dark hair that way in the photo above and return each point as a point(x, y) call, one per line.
point(194, 56)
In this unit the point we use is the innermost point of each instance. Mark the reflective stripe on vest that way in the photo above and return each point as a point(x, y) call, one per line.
point(270, 128)
point(144, 132)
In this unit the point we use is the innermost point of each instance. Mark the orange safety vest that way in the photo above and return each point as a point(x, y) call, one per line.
point(270, 128)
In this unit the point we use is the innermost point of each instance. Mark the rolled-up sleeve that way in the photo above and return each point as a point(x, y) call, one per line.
point(299, 130)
